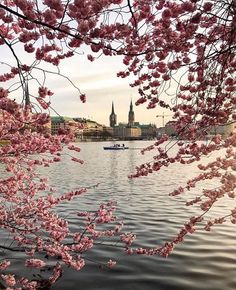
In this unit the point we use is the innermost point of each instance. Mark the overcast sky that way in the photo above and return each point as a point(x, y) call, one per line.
point(98, 81)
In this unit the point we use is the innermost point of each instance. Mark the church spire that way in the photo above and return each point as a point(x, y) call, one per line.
point(113, 117)
point(112, 108)
point(131, 106)
point(131, 115)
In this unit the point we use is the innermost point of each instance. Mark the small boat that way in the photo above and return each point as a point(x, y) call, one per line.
point(115, 147)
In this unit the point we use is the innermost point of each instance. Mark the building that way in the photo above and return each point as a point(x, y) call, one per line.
point(170, 129)
point(131, 116)
point(92, 131)
point(113, 117)
point(84, 129)
point(148, 131)
point(223, 130)
point(61, 124)
point(133, 133)
point(131, 130)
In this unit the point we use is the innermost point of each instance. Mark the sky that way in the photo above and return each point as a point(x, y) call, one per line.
point(97, 80)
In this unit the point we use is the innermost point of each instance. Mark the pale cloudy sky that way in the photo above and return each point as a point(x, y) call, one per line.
point(97, 80)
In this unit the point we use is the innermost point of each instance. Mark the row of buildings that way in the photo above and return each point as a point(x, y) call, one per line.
point(85, 129)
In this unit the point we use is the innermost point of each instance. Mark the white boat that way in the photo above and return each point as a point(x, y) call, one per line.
point(116, 147)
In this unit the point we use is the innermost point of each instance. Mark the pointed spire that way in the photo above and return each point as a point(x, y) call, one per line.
point(113, 117)
point(131, 115)
point(112, 108)
point(131, 106)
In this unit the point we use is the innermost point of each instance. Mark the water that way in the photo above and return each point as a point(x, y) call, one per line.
point(204, 261)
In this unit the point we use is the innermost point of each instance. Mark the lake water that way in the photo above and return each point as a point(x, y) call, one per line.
point(204, 261)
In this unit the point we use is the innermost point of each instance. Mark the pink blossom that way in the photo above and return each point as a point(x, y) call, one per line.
point(4, 264)
point(3, 93)
point(9, 280)
point(90, 57)
point(31, 285)
point(57, 272)
point(34, 263)
point(128, 238)
point(83, 98)
point(29, 47)
point(207, 6)
point(166, 14)
point(111, 264)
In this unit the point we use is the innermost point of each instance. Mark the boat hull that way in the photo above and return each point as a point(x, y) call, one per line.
point(114, 148)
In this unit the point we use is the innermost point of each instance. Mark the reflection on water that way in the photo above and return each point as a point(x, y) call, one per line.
point(205, 261)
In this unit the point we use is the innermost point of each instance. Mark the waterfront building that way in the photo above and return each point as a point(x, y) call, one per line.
point(148, 131)
point(108, 132)
point(224, 130)
point(133, 130)
point(84, 129)
point(169, 129)
point(60, 124)
point(87, 130)
point(57, 123)
point(119, 131)
point(92, 131)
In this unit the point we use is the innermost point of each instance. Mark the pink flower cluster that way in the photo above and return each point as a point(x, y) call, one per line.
point(34, 263)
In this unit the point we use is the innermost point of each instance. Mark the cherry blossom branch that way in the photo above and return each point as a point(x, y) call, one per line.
point(74, 36)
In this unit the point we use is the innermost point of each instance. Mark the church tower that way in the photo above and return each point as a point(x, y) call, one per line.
point(131, 115)
point(113, 118)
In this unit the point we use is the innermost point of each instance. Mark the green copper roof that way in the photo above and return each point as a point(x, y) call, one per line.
point(60, 118)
